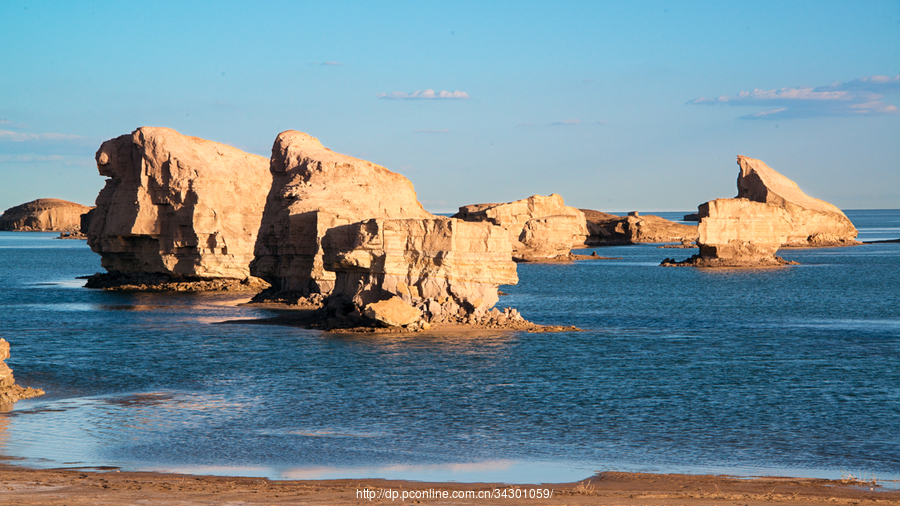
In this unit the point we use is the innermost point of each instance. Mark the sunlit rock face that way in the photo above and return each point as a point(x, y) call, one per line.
point(609, 229)
point(540, 228)
point(9, 390)
point(741, 230)
point(813, 222)
point(314, 190)
point(49, 215)
point(770, 212)
point(177, 205)
point(437, 265)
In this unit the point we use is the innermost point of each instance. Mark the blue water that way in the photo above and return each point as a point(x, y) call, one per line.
point(788, 371)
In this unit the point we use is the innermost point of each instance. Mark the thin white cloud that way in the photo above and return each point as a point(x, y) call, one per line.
point(442, 131)
point(10, 136)
point(567, 122)
point(31, 158)
point(428, 94)
point(861, 96)
point(332, 63)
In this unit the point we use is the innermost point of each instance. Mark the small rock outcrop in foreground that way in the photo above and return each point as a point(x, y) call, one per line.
point(46, 215)
point(9, 391)
point(769, 213)
point(181, 208)
point(540, 228)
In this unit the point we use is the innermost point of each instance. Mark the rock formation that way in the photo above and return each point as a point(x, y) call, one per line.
point(813, 222)
point(446, 269)
point(540, 228)
point(769, 213)
point(9, 391)
point(314, 190)
point(178, 207)
point(48, 215)
point(609, 229)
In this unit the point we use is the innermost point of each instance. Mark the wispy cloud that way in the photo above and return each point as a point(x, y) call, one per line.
point(332, 63)
point(31, 158)
point(861, 96)
point(565, 122)
point(426, 94)
point(442, 131)
point(10, 136)
point(9, 124)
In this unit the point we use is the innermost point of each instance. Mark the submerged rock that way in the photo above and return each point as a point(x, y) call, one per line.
point(181, 207)
point(540, 228)
point(47, 215)
point(9, 391)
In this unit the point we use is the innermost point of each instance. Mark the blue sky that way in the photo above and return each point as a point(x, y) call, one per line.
point(615, 106)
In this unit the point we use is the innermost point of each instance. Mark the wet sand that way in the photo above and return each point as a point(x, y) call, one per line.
point(55, 487)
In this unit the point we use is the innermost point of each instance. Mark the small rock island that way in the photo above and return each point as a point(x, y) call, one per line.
point(44, 215)
point(770, 212)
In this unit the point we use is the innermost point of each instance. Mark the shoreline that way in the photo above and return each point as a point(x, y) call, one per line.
point(109, 486)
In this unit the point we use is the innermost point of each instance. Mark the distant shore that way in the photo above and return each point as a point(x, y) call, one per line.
point(108, 487)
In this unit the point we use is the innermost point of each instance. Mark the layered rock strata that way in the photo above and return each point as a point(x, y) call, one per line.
point(540, 228)
point(47, 215)
point(813, 222)
point(769, 213)
point(609, 229)
point(313, 191)
point(739, 233)
point(445, 270)
point(181, 207)
point(9, 391)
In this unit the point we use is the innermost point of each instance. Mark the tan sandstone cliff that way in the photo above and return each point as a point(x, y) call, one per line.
point(9, 391)
point(177, 207)
point(770, 212)
point(313, 190)
point(49, 215)
point(447, 269)
point(540, 228)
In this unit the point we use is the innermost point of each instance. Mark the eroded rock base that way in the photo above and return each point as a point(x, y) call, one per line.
point(155, 282)
point(9, 391)
point(698, 261)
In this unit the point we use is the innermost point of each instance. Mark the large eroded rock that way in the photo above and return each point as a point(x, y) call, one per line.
point(540, 228)
point(49, 215)
point(314, 190)
point(443, 267)
point(813, 222)
point(177, 206)
point(770, 212)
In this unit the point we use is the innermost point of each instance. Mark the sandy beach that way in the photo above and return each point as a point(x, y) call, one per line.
point(52, 487)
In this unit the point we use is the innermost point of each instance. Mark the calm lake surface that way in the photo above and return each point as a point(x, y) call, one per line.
point(788, 371)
